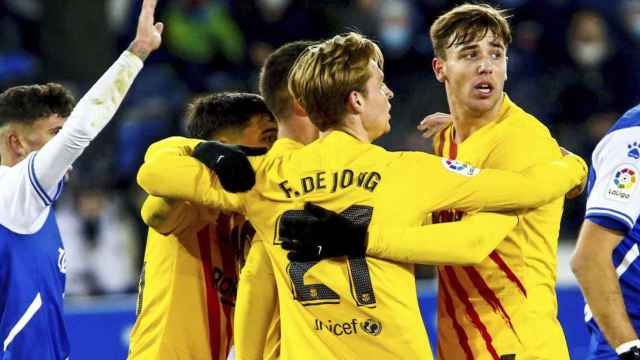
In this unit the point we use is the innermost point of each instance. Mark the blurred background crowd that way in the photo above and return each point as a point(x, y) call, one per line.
point(575, 64)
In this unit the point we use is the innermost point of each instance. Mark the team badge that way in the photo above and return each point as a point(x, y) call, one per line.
point(460, 168)
point(623, 182)
point(371, 326)
point(634, 150)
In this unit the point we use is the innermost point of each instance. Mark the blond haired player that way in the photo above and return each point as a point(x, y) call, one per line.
point(189, 280)
point(357, 307)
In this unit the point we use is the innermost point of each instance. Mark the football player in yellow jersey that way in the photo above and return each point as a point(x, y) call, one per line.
point(355, 307)
point(189, 279)
point(506, 305)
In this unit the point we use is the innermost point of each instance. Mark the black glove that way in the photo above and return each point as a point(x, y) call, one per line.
point(317, 233)
point(631, 354)
point(230, 163)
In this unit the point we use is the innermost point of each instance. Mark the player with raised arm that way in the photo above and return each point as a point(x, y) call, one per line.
point(606, 258)
point(360, 307)
point(187, 294)
point(38, 144)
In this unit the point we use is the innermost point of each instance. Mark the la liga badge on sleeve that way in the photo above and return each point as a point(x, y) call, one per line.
point(623, 183)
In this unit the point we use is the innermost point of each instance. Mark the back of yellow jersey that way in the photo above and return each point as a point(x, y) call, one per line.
point(506, 304)
point(342, 308)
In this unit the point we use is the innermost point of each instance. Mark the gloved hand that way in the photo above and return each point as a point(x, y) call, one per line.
point(318, 233)
point(230, 163)
point(631, 354)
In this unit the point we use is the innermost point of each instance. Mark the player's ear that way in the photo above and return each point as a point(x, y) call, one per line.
point(298, 110)
point(16, 145)
point(438, 69)
point(355, 102)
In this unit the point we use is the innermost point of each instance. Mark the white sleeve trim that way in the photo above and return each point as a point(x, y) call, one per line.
point(625, 219)
point(615, 192)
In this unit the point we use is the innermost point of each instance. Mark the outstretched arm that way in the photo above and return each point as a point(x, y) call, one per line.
point(194, 181)
point(97, 107)
point(464, 242)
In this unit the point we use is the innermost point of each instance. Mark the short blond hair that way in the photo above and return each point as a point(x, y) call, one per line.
point(466, 23)
point(325, 74)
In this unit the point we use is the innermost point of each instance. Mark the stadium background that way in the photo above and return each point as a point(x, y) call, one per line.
point(573, 64)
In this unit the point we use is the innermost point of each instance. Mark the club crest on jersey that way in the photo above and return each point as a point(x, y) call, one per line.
point(460, 168)
point(623, 182)
point(634, 150)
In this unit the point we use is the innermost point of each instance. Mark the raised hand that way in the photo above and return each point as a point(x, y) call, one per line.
point(432, 124)
point(149, 33)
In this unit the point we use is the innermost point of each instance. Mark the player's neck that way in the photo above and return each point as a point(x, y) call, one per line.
point(298, 129)
point(466, 121)
point(351, 125)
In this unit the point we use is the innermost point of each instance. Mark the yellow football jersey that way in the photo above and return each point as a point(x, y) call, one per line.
point(360, 307)
point(188, 283)
point(507, 303)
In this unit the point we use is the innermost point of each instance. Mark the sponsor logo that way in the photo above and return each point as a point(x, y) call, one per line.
point(623, 183)
point(62, 261)
point(460, 168)
point(339, 328)
point(634, 150)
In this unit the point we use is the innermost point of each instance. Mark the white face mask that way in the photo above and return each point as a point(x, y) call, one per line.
point(589, 53)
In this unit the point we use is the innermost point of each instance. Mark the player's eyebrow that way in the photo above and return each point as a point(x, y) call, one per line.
point(468, 47)
point(497, 43)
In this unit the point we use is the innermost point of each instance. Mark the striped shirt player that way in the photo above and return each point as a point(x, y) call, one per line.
point(188, 284)
point(614, 204)
point(505, 305)
point(187, 295)
point(32, 257)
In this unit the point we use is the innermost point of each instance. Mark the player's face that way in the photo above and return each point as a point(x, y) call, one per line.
point(474, 74)
point(375, 116)
point(261, 132)
point(34, 137)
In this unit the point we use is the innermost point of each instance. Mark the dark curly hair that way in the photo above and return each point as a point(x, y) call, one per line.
point(208, 115)
point(28, 103)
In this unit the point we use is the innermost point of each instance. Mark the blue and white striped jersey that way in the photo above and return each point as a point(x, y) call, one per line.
point(614, 203)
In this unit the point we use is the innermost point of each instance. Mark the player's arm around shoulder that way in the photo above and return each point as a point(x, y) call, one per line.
point(170, 172)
